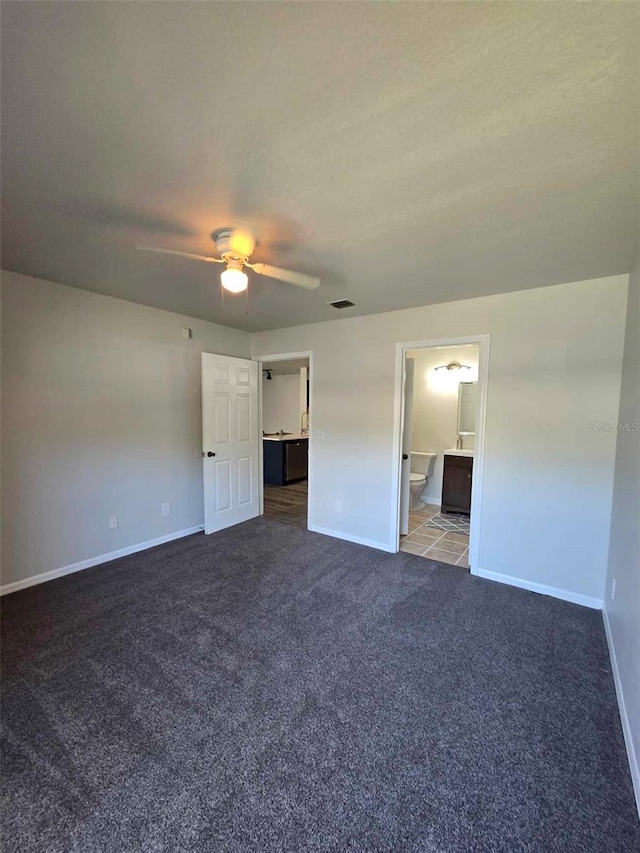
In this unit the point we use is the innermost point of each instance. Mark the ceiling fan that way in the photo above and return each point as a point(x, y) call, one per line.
point(234, 247)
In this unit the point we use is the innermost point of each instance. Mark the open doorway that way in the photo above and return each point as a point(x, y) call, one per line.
point(440, 443)
point(285, 397)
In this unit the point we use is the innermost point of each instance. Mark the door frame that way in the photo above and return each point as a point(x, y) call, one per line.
point(483, 343)
point(286, 356)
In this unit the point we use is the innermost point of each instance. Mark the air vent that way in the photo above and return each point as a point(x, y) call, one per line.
point(342, 303)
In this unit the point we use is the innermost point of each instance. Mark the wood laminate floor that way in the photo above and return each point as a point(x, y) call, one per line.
point(287, 503)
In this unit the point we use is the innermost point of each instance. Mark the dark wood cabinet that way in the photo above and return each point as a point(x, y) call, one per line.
point(285, 461)
point(456, 483)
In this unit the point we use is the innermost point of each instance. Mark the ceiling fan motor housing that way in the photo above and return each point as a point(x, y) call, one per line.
point(222, 239)
point(234, 245)
point(233, 262)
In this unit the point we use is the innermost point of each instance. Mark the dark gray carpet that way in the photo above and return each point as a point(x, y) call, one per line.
point(271, 689)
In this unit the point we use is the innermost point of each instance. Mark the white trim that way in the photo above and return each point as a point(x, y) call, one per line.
point(290, 356)
point(347, 537)
point(543, 589)
point(431, 501)
point(483, 343)
point(260, 442)
point(624, 718)
point(43, 577)
point(283, 356)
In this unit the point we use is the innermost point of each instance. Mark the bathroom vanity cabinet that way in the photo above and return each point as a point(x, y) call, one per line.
point(285, 460)
point(456, 483)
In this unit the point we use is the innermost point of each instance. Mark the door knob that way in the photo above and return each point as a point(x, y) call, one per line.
point(210, 454)
point(405, 455)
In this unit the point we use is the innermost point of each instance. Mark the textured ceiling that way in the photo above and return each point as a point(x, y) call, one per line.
point(408, 153)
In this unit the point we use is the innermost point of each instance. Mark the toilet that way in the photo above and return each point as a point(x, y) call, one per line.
point(422, 465)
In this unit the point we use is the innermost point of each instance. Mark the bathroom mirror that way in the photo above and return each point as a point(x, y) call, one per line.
point(467, 408)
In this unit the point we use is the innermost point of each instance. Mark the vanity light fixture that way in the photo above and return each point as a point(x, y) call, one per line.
point(453, 365)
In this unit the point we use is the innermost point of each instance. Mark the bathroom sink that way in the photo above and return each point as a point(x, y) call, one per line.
point(455, 452)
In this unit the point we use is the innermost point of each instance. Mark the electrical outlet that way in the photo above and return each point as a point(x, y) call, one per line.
point(613, 589)
point(319, 433)
point(187, 334)
point(337, 506)
point(165, 509)
point(113, 522)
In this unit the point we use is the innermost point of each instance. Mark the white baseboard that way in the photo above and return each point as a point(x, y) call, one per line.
point(432, 501)
point(626, 727)
point(338, 534)
point(543, 589)
point(96, 561)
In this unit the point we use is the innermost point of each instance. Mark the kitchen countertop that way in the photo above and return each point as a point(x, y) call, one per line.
point(292, 437)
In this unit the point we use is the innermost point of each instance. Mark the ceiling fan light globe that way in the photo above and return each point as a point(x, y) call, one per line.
point(234, 280)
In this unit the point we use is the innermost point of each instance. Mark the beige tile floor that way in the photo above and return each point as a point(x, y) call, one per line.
point(452, 548)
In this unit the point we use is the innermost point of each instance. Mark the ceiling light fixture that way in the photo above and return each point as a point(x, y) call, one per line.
point(234, 279)
point(453, 365)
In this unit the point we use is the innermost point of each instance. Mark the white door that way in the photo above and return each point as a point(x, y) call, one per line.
point(230, 441)
point(405, 465)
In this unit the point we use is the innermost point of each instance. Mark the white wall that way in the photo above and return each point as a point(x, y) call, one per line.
point(622, 612)
point(555, 364)
point(281, 402)
point(435, 406)
point(101, 414)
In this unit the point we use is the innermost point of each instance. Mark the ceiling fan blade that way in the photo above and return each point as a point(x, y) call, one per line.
point(299, 279)
point(193, 257)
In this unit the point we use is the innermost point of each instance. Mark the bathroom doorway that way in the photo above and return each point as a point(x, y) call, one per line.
point(440, 437)
point(285, 412)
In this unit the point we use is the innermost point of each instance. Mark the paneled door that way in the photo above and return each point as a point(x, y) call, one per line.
point(230, 441)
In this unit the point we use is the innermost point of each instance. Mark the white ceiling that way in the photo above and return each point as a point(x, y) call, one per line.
point(409, 153)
